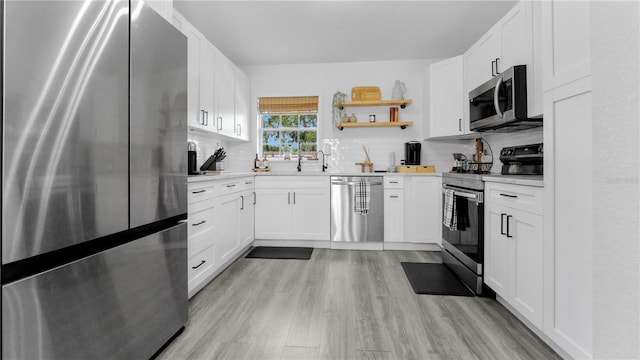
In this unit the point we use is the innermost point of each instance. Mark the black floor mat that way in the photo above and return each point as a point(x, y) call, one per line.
point(434, 279)
point(269, 252)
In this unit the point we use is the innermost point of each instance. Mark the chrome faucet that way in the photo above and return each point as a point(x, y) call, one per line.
point(299, 159)
point(324, 167)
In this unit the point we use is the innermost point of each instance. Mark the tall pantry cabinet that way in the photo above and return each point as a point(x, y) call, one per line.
point(568, 299)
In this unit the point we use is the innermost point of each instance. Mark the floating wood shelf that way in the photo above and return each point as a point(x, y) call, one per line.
point(403, 103)
point(402, 124)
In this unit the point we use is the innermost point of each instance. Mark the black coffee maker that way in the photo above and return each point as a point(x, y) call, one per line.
point(412, 153)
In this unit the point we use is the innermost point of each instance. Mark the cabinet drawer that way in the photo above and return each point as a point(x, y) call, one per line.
point(199, 264)
point(393, 182)
point(200, 217)
point(201, 191)
point(235, 185)
point(521, 197)
point(290, 182)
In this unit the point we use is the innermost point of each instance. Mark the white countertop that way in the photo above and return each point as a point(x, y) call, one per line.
point(231, 175)
point(528, 180)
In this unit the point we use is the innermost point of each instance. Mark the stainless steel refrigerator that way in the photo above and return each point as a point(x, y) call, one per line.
point(94, 250)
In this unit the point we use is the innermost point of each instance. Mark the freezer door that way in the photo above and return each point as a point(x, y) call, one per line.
point(65, 119)
point(123, 303)
point(158, 117)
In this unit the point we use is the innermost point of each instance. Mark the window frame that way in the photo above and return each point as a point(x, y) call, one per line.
point(294, 154)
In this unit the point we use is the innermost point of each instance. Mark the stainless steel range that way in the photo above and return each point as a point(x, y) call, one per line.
point(463, 239)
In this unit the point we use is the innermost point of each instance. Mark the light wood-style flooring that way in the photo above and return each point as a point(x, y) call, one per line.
point(344, 304)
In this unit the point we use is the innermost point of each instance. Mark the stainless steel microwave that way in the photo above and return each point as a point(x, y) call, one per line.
point(500, 104)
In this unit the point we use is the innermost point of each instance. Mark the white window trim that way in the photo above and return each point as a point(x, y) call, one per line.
point(318, 128)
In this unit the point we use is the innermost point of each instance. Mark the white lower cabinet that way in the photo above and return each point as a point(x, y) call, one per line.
point(292, 208)
point(394, 215)
point(424, 209)
point(220, 220)
point(514, 247)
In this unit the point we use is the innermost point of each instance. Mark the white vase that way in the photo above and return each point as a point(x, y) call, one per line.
point(398, 90)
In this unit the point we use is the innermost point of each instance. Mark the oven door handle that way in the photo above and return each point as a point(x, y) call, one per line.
point(477, 196)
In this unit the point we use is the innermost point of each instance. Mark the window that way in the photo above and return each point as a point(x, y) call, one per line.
point(288, 124)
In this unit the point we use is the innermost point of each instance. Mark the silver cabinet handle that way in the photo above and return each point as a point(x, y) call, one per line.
point(241, 202)
point(198, 192)
point(393, 182)
point(197, 266)
point(248, 182)
point(288, 198)
point(497, 62)
point(294, 198)
point(460, 124)
point(254, 198)
point(509, 196)
point(502, 223)
point(493, 64)
point(219, 122)
point(231, 185)
point(239, 129)
point(496, 102)
point(202, 119)
point(200, 223)
point(393, 196)
point(508, 232)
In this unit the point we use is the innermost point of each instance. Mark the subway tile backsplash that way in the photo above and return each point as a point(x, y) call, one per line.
point(343, 153)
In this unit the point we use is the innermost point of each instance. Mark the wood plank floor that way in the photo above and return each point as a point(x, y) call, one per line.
point(344, 304)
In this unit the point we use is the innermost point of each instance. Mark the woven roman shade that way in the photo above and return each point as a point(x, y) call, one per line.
point(289, 104)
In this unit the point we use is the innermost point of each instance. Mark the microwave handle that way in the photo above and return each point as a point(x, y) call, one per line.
point(496, 102)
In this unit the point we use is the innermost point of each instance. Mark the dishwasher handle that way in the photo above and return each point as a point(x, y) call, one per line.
point(353, 183)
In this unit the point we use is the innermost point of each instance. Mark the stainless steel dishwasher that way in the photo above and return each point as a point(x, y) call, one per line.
point(347, 224)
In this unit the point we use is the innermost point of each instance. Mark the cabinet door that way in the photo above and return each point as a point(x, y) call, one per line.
point(394, 215)
point(425, 214)
point(479, 64)
point(225, 95)
point(246, 220)
point(446, 92)
point(516, 36)
point(310, 214)
point(273, 214)
point(526, 231)
point(226, 236)
point(207, 110)
point(242, 102)
point(497, 250)
point(194, 40)
point(566, 42)
point(568, 214)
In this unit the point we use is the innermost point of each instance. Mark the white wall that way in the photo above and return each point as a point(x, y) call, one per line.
point(325, 79)
point(616, 271)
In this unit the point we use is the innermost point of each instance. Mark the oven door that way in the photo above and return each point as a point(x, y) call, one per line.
point(466, 242)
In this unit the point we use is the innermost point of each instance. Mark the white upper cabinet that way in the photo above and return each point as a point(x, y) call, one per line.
point(225, 95)
point(215, 105)
point(514, 40)
point(481, 58)
point(446, 98)
point(200, 63)
point(242, 113)
point(566, 40)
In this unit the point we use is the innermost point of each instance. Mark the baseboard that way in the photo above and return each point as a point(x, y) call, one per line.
point(412, 246)
point(534, 329)
point(356, 245)
point(316, 244)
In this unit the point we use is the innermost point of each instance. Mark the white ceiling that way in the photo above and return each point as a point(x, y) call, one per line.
point(298, 32)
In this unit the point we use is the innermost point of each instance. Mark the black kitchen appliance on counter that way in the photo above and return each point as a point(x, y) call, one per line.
point(412, 153)
point(522, 160)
